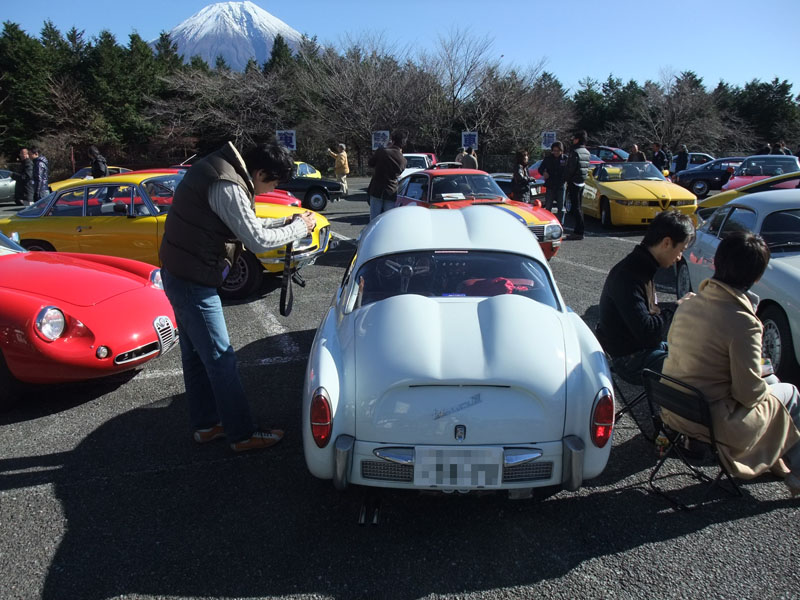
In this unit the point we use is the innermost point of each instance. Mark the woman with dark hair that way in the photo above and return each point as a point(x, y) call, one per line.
point(715, 346)
point(521, 179)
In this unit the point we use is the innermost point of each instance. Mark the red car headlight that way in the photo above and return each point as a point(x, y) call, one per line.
point(50, 323)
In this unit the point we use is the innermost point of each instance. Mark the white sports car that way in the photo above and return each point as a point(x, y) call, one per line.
point(448, 361)
point(775, 215)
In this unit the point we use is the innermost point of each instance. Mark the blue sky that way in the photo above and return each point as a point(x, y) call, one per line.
point(733, 40)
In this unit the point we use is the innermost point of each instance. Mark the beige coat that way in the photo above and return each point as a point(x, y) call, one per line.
point(715, 346)
point(341, 166)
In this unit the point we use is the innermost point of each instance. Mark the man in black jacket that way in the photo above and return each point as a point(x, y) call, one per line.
point(552, 171)
point(23, 187)
point(575, 175)
point(659, 157)
point(632, 326)
point(99, 165)
point(388, 163)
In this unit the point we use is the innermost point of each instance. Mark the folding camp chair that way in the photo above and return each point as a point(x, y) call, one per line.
point(687, 402)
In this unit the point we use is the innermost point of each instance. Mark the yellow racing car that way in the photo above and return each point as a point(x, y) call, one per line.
point(123, 215)
point(632, 194)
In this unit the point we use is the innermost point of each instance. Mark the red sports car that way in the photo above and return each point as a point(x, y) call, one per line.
point(70, 317)
point(457, 188)
point(756, 168)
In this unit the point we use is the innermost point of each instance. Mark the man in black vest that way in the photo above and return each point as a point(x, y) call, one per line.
point(575, 175)
point(212, 214)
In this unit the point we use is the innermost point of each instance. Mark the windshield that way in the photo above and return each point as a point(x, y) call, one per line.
point(453, 273)
point(416, 162)
point(781, 231)
point(628, 172)
point(461, 187)
point(8, 246)
point(769, 167)
point(37, 208)
point(161, 189)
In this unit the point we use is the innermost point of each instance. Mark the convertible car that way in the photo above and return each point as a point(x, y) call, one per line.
point(70, 317)
point(457, 188)
point(123, 215)
point(632, 194)
point(83, 174)
point(775, 216)
point(420, 377)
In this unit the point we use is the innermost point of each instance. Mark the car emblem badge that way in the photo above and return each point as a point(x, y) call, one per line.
point(461, 432)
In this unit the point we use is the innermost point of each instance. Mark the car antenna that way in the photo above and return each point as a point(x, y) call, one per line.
point(188, 159)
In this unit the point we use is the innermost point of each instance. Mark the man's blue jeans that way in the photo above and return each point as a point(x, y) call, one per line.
point(210, 373)
point(630, 366)
point(378, 206)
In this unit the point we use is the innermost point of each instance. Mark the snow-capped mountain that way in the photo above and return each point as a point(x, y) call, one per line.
point(235, 30)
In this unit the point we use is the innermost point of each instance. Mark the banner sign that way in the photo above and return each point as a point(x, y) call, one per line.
point(469, 139)
point(379, 139)
point(548, 139)
point(287, 137)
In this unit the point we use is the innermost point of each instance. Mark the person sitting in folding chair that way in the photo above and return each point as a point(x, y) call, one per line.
point(632, 326)
point(715, 346)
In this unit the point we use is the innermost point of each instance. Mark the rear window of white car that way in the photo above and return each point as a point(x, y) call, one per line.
point(453, 273)
point(781, 231)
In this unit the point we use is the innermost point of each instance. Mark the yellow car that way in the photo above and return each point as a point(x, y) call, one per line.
point(632, 194)
point(304, 169)
point(124, 215)
point(83, 174)
point(778, 182)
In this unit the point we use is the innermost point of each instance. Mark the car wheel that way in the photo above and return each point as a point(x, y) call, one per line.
point(683, 283)
point(700, 188)
point(776, 342)
point(9, 386)
point(244, 278)
point(605, 213)
point(37, 246)
point(316, 199)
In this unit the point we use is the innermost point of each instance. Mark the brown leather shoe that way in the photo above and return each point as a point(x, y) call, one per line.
point(259, 439)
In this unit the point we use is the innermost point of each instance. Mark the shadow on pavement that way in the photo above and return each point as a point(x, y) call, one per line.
point(150, 512)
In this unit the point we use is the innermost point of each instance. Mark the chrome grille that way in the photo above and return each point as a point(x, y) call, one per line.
point(532, 471)
point(386, 471)
point(538, 230)
point(167, 334)
point(324, 234)
point(136, 353)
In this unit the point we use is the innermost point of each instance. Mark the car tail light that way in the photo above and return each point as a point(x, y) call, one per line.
point(602, 418)
point(320, 415)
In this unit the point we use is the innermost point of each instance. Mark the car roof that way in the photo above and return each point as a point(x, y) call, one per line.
point(131, 178)
point(769, 201)
point(455, 171)
point(410, 228)
point(420, 154)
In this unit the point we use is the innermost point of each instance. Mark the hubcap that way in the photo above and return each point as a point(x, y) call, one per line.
point(237, 276)
point(684, 283)
point(771, 343)
point(700, 188)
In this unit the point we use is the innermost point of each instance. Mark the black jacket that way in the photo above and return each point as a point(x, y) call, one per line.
point(660, 160)
point(626, 325)
point(389, 163)
point(23, 188)
point(197, 245)
point(577, 165)
point(521, 184)
point(681, 161)
point(555, 168)
point(99, 167)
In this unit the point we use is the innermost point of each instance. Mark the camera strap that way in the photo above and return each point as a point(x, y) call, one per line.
point(287, 295)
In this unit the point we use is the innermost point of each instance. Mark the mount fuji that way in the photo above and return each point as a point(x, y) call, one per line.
point(237, 31)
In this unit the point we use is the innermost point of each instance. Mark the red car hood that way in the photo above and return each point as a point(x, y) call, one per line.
point(740, 180)
point(76, 281)
point(467, 202)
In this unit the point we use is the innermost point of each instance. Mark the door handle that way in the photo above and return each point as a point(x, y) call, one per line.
point(80, 228)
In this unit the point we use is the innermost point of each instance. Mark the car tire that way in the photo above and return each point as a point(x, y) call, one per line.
point(777, 342)
point(605, 213)
point(244, 278)
point(37, 246)
point(700, 188)
point(9, 387)
point(683, 283)
point(316, 199)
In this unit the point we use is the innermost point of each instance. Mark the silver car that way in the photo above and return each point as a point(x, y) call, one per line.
point(775, 215)
point(7, 185)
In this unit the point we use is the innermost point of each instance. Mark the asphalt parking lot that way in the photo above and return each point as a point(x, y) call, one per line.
point(103, 494)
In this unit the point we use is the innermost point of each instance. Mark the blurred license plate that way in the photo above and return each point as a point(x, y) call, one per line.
point(458, 467)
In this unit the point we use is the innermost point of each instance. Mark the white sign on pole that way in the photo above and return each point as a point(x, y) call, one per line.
point(379, 139)
point(548, 139)
point(469, 139)
point(287, 137)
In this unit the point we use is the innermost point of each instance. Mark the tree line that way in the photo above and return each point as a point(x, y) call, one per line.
point(145, 105)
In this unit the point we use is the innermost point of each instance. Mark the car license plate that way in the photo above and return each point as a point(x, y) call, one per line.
point(458, 467)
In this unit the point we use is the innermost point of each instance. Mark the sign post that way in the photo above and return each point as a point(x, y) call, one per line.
point(288, 138)
point(379, 139)
point(548, 139)
point(469, 139)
